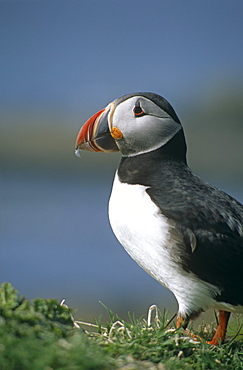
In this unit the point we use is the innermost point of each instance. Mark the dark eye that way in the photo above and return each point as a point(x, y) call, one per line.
point(138, 111)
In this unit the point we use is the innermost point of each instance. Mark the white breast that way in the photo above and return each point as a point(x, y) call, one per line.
point(139, 226)
point(145, 234)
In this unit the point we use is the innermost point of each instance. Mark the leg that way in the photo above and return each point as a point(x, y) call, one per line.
point(180, 322)
point(219, 336)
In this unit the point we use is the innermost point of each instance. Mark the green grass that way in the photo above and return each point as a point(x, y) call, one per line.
point(41, 334)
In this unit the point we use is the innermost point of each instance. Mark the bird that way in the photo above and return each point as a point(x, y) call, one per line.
point(184, 232)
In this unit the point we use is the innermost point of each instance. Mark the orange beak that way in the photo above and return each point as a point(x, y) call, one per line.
point(95, 135)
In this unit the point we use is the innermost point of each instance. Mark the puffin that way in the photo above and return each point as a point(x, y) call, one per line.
point(184, 232)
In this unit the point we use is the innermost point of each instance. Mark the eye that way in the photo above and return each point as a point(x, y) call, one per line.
point(138, 111)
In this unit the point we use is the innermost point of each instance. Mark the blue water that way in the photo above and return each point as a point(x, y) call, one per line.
point(56, 242)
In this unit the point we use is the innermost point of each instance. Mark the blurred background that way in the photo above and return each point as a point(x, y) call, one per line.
point(61, 61)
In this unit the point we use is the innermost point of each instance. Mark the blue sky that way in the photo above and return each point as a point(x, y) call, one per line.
point(79, 55)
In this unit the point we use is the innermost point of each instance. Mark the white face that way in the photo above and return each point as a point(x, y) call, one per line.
point(143, 124)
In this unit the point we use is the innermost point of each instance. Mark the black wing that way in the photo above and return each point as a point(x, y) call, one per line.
point(211, 224)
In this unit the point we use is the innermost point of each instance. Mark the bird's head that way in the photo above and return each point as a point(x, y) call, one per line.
point(134, 124)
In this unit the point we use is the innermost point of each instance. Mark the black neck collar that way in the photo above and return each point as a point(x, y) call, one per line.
point(143, 167)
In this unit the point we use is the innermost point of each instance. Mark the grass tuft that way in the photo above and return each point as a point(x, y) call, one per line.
point(42, 334)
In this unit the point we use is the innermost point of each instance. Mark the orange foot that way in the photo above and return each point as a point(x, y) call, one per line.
point(181, 323)
point(219, 336)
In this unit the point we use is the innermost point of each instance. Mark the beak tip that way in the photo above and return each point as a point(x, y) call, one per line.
point(78, 152)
